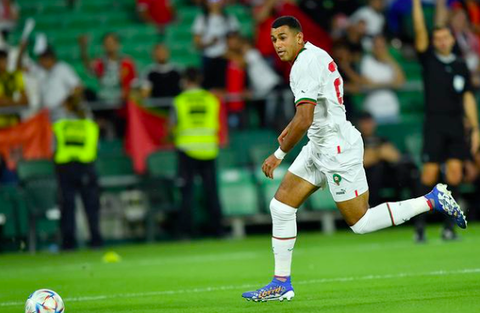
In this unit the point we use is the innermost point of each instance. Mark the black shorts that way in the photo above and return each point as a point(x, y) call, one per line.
point(444, 139)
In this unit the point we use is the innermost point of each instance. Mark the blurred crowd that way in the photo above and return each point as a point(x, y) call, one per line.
point(243, 71)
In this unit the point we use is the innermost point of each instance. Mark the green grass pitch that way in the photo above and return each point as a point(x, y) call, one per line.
point(381, 272)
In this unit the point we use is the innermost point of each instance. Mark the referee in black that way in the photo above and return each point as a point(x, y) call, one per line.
point(450, 111)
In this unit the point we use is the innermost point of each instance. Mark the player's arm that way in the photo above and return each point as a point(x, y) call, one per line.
point(421, 34)
point(470, 108)
point(292, 134)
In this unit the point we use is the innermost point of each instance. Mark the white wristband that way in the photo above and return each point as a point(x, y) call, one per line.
point(279, 154)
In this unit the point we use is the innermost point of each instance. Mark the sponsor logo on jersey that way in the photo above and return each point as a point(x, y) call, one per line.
point(341, 192)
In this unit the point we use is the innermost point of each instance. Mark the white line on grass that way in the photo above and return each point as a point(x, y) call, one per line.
point(232, 287)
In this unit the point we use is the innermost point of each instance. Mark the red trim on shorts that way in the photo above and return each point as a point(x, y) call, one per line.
point(391, 215)
point(430, 204)
point(338, 149)
point(290, 238)
point(356, 193)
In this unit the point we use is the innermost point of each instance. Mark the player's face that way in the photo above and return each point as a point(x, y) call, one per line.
point(443, 41)
point(287, 42)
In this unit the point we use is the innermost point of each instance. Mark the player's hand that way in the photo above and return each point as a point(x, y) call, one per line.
point(475, 141)
point(269, 165)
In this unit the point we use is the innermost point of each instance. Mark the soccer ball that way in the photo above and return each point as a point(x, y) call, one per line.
point(44, 301)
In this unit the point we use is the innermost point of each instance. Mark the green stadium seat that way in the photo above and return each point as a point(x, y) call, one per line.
point(322, 200)
point(238, 193)
point(227, 159)
point(116, 173)
point(8, 222)
point(111, 147)
point(35, 169)
point(162, 164)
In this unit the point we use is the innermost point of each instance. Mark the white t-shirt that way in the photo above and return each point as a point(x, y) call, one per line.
point(55, 86)
point(214, 26)
point(382, 104)
point(314, 78)
point(374, 20)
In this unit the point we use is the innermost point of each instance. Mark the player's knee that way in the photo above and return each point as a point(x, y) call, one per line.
point(360, 227)
point(281, 211)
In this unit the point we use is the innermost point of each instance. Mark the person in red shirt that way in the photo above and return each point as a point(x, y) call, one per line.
point(115, 73)
point(158, 12)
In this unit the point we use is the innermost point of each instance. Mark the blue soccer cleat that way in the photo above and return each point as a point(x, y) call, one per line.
point(276, 290)
point(443, 202)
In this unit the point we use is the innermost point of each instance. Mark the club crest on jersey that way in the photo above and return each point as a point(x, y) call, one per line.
point(337, 179)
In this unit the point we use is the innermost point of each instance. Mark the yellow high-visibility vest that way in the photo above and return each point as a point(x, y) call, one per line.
point(76, 141)
point(196, 132)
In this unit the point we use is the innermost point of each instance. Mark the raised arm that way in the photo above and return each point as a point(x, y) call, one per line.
point(83, 43)
point(421, 34)
point(441, 13)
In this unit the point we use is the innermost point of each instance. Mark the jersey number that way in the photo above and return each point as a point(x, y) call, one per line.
point(332, 67)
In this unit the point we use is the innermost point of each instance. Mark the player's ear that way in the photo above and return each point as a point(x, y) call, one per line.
point(300, 38)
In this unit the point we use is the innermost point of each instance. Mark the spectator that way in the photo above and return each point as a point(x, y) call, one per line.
point(9, 14)
point(59, 83)
point(196, 126)
point(236, 81)
point(354, 36)
point(324, 11)
point(468, 43)
point(264, 13)
point(210, 30)
point(163, 77)
point(115, 73)
point(383, 75)
point(157, 12)
point(383, 163)
point(12, 91)
point(372, 15)
point(352, 80)
point(264, 83)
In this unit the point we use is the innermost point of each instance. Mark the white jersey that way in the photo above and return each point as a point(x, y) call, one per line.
point(314, 78)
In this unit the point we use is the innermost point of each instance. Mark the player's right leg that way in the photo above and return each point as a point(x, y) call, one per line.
point(290, 195)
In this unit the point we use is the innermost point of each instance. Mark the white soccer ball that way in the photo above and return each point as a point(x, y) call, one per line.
point(44, 301)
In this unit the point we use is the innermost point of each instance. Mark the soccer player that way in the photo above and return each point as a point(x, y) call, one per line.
point(448, 99)
point(333, 156)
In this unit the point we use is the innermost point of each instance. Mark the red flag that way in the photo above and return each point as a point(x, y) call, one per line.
point(147, 131)
point(32, 138)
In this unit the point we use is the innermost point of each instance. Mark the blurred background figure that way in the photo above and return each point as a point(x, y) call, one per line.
point(384, 164)
point(157, 12)
point(210, 30)
point(9, 14)
point(115, 72)
point(383, 76)
point(12, 91)
point(196, 125)
point(163, 76)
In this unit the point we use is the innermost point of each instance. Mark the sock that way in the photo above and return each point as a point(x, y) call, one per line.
point(284, 235)
point(390, 214)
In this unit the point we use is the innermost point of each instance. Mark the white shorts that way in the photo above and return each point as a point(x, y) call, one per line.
point(340, 166)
